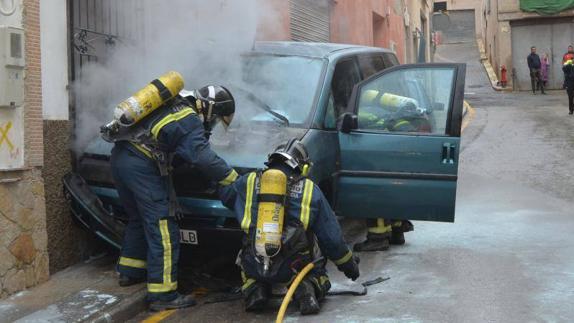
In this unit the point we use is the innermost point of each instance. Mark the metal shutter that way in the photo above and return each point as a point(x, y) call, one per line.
point(550, 36)
point(310, 20)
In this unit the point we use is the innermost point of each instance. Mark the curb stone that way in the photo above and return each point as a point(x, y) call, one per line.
point(125, 310)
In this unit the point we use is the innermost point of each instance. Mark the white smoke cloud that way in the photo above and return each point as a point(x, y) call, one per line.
point(202, 39)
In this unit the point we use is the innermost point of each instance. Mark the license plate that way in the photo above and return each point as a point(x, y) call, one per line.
point(188, 236)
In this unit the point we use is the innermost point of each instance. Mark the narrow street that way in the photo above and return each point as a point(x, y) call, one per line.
point(507, 257)
point(125, 187)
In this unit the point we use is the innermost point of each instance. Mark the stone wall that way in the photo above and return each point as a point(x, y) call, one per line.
point(23, 239)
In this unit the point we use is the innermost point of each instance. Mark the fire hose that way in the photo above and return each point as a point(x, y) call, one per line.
point(292, 288)
point(303, 273)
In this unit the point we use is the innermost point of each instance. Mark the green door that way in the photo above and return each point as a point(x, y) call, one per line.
point(399, 144)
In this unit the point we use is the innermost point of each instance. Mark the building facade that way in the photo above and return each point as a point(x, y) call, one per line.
point(507, 29)
point(418, 30)
point(369, 23)
point(66, 241)
point(515, 31)
point(403, 26)
point(23, 239)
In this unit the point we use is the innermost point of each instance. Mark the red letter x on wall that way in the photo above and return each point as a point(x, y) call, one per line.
point(4, 135)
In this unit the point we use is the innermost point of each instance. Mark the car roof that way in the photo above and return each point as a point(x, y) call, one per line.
point(317, 50)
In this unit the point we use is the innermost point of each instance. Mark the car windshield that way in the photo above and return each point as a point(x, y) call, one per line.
point(277, 88)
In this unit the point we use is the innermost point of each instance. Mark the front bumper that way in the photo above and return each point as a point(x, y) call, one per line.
point(90, 212)
point(98, 209)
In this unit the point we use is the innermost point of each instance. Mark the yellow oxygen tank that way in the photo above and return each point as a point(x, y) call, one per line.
point(149, 98)
point(270, 214)
point(397, 101)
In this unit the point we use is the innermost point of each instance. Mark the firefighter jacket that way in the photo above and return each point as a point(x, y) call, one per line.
point(568, 70)
point(305, 204)
point(176, 130)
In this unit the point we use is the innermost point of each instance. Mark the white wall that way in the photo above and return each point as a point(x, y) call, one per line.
point(54, 40)
point(11, 119)
point(14, 20)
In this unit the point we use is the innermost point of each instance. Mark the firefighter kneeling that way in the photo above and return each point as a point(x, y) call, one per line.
point(288, 224)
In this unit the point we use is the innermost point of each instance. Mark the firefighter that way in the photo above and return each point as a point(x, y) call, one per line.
point(387, 112)
point(150, 129)
point(288, 223)
point(568, 56)
point(568, 69)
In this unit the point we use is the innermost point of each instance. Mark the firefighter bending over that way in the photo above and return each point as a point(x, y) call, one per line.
point(149, 130)
point(288, 223)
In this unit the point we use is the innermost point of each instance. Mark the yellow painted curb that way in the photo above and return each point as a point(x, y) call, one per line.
point(159, 316)
point(470, 112)
point(490, 71)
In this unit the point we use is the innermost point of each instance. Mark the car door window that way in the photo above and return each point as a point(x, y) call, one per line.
point(371, 64)
point(407, 100)
point(345, 77)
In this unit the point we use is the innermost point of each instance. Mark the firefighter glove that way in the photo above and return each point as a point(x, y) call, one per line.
point(350, 268)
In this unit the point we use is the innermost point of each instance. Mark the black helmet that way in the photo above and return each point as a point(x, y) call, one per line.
point(293, 154)
point(216, 104)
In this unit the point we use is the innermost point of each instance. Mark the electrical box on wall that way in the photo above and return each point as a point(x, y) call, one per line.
point(11, 67)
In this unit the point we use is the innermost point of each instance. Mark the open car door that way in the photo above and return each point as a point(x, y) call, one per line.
point(399, 144)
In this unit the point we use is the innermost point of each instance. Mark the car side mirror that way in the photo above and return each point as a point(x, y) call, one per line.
point(437, 106)
point(347, 122)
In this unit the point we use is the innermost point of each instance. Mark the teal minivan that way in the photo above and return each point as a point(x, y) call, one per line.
point(339, 100)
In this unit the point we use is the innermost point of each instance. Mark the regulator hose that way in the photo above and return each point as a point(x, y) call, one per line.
point(291, 291)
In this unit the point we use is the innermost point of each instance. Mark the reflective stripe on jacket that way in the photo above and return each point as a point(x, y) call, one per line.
point(179, 130)
point(306, 203)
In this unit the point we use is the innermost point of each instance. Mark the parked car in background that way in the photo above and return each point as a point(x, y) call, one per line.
point(314, 92)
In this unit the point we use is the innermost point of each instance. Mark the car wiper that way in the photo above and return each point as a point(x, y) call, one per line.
point(264, 106)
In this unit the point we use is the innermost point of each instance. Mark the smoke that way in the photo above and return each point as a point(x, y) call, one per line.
point(202, 39)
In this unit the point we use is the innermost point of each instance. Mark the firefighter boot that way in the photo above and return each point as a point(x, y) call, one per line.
point(374, 242)
point(125, 280)
point(180, 301)
point(399, 229)
point(305, 295)
point(256, 298)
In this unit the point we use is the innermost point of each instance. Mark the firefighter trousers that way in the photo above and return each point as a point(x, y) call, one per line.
point(151, 240)
point(317, 277)
point(382, 227)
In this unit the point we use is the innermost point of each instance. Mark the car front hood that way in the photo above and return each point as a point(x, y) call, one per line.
point(249, 149)
point(242, 148)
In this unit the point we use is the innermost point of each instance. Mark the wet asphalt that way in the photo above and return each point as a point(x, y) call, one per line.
point(507, 258)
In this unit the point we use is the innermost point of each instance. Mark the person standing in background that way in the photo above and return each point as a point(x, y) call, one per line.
point(545, 68)
point(567, 57)
point(534, 64)
point(568, 69)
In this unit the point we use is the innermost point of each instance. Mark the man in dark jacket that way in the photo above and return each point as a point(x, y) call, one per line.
point(568, 69)
point(534, 64)
point(306, 226)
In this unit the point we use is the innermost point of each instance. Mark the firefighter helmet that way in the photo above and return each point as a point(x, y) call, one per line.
point(216, 104)
point(293, 154)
